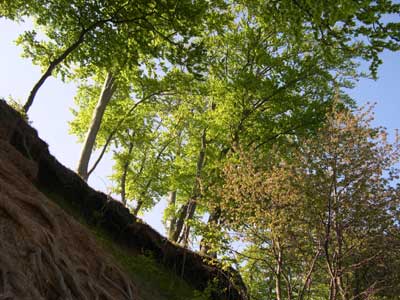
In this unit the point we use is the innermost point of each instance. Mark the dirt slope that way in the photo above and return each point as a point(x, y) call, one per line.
point(46, 254)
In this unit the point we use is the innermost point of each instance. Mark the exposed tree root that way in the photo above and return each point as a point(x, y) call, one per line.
point(12, 211)
point(34, 205)
point(126, 290)
point(14, 283)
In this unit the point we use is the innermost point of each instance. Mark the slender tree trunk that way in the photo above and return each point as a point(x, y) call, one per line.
point(333, 289)
point(124, 174)
point(179, 222)
point(189, 216)
point(50, 70)
point(137, 208)
point(172, 196)
point(105, 97)
point(307, 279)
point(172, 221)
point(278, 277)
point(336, 253)
point(212, 220)
point(188, 210)
point(59, 60)
point(63, 56)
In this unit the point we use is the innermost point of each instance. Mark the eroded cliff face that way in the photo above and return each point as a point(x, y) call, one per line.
point(46, 254)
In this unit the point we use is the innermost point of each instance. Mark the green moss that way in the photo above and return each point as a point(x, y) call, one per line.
point(154, 281)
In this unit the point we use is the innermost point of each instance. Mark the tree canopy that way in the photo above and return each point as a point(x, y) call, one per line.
point(236, 114)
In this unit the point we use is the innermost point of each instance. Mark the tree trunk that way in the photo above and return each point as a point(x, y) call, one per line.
point(189, 216)
point(105, 97)
point(278, 277)
point(187, 211)
point(137, 208)
point(172, 221)
point(124, 174)
point(172, 196)
point(53, 64)
point(212, 220)
point(179, 222)
point(307, 279)
point(51, 68)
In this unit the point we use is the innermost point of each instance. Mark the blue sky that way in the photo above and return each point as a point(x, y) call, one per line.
point(51, 109)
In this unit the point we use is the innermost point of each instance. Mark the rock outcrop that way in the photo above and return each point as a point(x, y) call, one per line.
point(46, 254)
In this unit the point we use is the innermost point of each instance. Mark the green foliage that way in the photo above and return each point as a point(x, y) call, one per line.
point(268, 79)
point(114, 33)
point(314, 223)
point(199, 84)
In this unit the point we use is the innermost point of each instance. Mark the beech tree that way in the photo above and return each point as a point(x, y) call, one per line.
point(230, 109)
point(251, 74)
point(110, 37)
point(101, 33)
point(272, 74)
